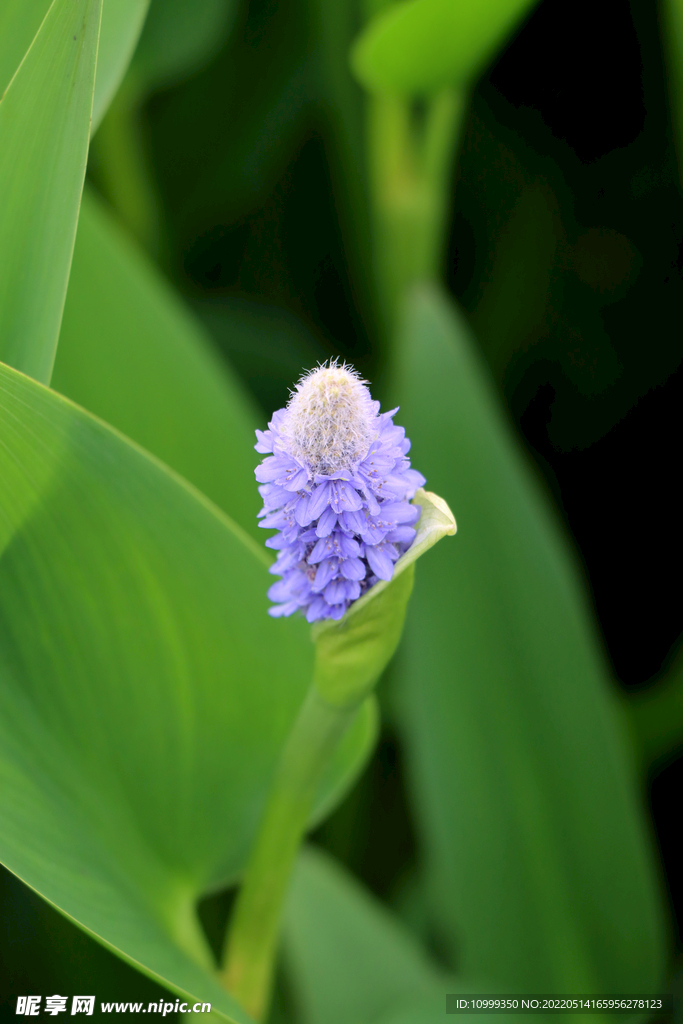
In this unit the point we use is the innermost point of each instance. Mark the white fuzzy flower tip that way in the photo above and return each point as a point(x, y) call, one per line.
point(330, 420)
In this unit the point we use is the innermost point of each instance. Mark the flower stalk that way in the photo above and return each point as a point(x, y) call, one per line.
point(351, 654)
point(351, 518)
point(411, 148)
point(253, 937)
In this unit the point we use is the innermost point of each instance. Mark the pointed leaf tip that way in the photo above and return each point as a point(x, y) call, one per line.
point(436, 521)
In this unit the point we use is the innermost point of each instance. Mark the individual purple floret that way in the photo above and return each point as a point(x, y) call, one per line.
point(337, 487)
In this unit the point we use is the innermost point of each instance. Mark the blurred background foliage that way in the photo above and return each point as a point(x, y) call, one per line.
point(235, 153)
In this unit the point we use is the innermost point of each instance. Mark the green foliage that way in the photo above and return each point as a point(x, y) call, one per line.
point(145, 692)
point(349, 958)
point(655, 717)
point(44, 132)
point(120, 28)
point(133, 355)
point(19, 22)
point(122, 21)
point(418, 47)
point(178, 37)
point(150, 710)
point(515, 748)
point(350, 655)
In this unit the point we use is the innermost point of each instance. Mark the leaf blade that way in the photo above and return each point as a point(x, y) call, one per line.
point(122, 22)
point(44, 131)
point(515, 748)
point(178, 39)
point(145, 692)
point(130, 353)
point(19, 22)
point(346, 955)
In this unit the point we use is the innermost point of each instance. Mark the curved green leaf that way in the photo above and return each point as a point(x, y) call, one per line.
point(44, 132)
point(421, 46)
point(536, 856)
point(130, 352)
point(144, 691)
point(347, 957)
point(179, 37)
point(122, 22)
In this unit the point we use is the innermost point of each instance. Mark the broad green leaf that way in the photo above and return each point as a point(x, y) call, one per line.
point(131, 353)
point(144, 691)
point(352, 653)
point(19, 22)
point(179, 37)
point(421, 46)
point(44, 131)
point(121, 24)
point(348, 958)
point(536, 856)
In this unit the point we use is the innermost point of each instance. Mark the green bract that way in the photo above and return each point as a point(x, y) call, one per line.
point(352, 653)
point(349, 958)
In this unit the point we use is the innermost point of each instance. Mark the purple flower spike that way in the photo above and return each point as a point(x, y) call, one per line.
point(336, 482)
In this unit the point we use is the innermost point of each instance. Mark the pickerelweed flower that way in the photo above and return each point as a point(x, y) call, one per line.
point(337, 486)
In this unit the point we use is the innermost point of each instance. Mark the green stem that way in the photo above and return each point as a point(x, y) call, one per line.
point(444, 120)
point(411, 153)
point(254, 927)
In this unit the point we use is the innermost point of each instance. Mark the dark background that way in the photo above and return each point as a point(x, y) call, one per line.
point(566, 253)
